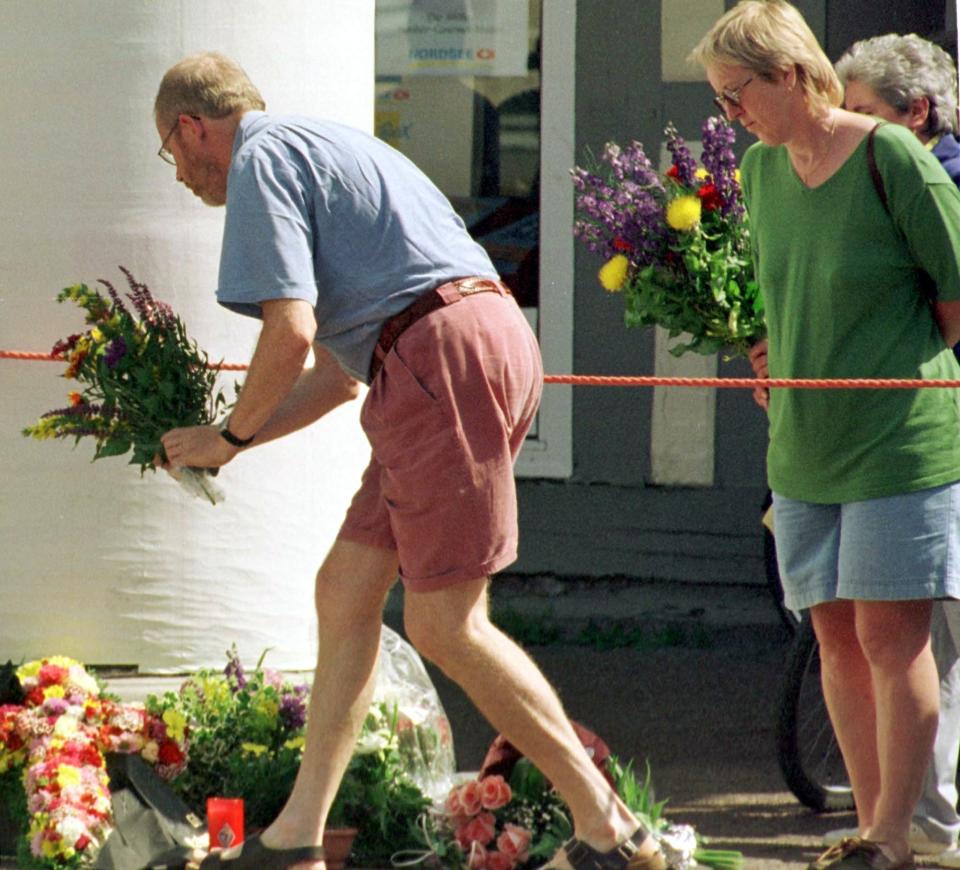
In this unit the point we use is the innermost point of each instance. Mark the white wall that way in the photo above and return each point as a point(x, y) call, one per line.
point(95, 562)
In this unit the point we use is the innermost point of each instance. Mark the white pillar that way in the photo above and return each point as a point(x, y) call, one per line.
point(95, 562)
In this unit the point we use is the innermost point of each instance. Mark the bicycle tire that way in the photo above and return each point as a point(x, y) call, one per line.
point(807, 750)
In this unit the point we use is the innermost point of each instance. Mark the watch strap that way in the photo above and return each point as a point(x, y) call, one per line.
point(230, 438)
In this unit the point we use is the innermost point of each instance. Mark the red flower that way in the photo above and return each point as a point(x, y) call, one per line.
point(710, 197)
point(169, 753)
point(621, 244)
point(673, 172)
point(82, 842)
point(52, 675)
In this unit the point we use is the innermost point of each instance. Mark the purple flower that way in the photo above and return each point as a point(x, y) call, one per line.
point(720, 161)
point(293, 708)
point(682, 159)
point(234, 671)
point(115, 351)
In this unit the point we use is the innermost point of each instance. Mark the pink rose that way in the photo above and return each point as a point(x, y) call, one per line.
point(480, 829)
point(470, 797)
point(494, 792)
point(514, 842)
point(453, 806)
point(499, 861)
point(476, 856)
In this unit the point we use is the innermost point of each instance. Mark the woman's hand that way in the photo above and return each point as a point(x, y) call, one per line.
point(758, 360)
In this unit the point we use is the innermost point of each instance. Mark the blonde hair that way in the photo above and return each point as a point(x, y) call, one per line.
point(207, 84)
point(771, 36)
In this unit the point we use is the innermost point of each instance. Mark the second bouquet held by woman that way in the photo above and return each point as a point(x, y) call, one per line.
point(676, 244)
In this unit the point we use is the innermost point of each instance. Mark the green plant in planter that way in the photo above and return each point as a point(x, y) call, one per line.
point(376, 796)
point(246, 741)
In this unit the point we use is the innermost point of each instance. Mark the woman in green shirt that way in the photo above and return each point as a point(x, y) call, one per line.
point(866, 499)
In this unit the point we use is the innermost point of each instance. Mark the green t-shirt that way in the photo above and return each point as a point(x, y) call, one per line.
point(844, 299)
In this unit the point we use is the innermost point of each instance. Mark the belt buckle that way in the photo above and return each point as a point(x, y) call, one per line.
point(469, 286)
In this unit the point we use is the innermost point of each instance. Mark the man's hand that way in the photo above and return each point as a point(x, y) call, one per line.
point(197, 447)
point(758, 359)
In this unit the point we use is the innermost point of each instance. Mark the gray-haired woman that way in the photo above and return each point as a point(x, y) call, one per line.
point(909, 81)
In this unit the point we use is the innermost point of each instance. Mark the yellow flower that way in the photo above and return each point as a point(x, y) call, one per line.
point(613, 273)
point(683, 213)
point(54, 692)
point(68, 775)
point(701, 174)
point(294, 743)
point(176, 724)
point(97, 335)
point(253, 748)
point(736, 175)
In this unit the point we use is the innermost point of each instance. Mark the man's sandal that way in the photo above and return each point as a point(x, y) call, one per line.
point(855, 853)
point(254, 855)
point(626, 856)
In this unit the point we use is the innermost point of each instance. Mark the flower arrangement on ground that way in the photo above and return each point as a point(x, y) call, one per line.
point(139, 374)
point(491, 824)
point(246, 741)
point(676, 245)
point(53, 745)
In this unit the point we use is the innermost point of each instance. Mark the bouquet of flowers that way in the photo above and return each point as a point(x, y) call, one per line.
point(677, 245)
point(247, 739)
point(52, 758)
point(140, 375)
point(490, 824)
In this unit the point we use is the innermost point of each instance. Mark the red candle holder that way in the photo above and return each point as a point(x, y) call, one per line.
point(225, 822)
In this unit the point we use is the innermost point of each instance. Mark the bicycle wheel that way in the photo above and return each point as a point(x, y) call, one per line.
point(807, 750)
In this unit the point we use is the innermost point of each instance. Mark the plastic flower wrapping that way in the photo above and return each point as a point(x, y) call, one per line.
point(55, 743)
point(139, 375)
point(675, 245)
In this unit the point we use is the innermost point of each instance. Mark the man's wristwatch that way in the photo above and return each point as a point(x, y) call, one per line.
point(230, 438)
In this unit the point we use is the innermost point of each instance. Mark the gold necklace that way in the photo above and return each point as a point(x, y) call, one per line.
point(808, 174)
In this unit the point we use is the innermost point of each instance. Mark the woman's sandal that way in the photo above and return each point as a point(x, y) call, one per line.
point(254, 855)
point(626, 856)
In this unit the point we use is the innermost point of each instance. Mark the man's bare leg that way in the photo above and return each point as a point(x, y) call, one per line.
point(350, 591)
point(451, 627)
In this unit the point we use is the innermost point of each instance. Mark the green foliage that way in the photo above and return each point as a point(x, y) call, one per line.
point(528, 630)
point(139, 374)
point(377, 798)
point(708, 292)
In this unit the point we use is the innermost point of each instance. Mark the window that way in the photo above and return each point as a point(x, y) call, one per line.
point(460, 91)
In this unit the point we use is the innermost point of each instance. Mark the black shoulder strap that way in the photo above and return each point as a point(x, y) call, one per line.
point(875, 171)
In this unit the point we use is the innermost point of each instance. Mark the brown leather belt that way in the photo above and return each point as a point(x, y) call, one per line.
point(445, 294)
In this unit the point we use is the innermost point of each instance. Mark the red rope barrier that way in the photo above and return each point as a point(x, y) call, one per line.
point(648, 381)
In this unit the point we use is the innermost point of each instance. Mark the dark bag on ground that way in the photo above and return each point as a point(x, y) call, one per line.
point(153, 827)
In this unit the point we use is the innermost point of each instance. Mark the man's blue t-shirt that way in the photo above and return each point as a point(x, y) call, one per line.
point(325, 213)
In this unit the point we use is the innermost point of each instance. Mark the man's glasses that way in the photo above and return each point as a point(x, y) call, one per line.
point(730, 98)
point(164, 154)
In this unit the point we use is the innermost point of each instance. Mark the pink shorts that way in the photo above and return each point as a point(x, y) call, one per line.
point(446, 417)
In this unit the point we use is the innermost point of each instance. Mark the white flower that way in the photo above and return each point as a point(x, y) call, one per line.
point(72, 829)
point(372, 741)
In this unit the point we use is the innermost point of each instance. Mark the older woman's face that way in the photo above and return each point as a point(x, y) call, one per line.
point(750, 99)
point(857, 97)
